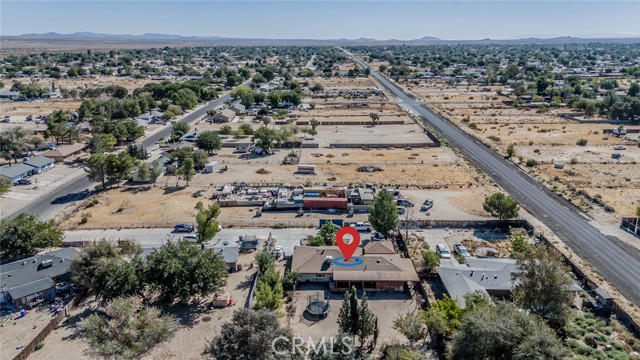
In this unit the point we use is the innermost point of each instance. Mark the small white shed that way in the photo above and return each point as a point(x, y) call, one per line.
point(211, 167)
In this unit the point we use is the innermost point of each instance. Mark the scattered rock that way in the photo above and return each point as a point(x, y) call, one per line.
point(262, 171)
point(368, 169)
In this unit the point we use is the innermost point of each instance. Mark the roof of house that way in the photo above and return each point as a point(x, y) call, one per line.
point(31, 288)
point(379, 247)
point(238, 106)
point(230, 251)
point(12, 171)
point(39, 161)
point(481, 274)
point(65, 150)
point(374, 267)
point(227, 113)
point(26, 270)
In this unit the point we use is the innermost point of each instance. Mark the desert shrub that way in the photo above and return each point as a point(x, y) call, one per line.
point(582, 142)
point(531, 163)
point(39, 345)
point(84, 218)
point(473, 126)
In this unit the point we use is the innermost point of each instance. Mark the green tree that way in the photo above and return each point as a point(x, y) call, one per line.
point(430, 261)
point(126, 329)
point(178, 129)
point(184, 271)
point(290, 280)
point(143, 173)
point(25, 235)
point(411, 326)
point(519, 244)
point(266, 262)
point(250, 335)
point(543, 285)
point(269, 296)
point(206, 224)
point(185, 98)
point(155, 171)
point(634, 89)
point(504, 331)
point(208, 141)
point(101, 142)
point(14, 142)
point(442, 318)
point(501, 206)
point(383, 213)
point(355, 318)
point(186, 170)
point(96, 167)
point(120, 167)
point(326, 236)
point(5, 186)
point(265, 138)
point(247, 129)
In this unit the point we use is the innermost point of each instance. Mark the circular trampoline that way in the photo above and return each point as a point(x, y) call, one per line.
point(317, 308)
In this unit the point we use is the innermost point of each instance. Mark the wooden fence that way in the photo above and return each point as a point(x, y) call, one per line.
point(42, 335)
point(384, 145)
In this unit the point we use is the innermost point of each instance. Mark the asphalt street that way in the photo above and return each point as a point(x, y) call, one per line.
point(55, 201)
point(615, 261)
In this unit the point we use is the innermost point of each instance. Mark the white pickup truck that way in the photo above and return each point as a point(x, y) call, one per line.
point(362, 226)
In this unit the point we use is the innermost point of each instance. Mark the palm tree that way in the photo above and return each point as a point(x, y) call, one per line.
point(14, 142)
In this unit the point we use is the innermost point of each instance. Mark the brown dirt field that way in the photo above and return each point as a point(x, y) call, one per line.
point(24, 108)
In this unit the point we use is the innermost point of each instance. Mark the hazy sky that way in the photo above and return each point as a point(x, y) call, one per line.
point(327, 19)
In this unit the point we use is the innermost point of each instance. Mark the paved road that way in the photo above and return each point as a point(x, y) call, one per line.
point(616, 261)
point(156, 237)
point(55, 201)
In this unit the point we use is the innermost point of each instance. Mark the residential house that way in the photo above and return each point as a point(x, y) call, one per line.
point(379, 269)
point(40, 163)
point(238, 108)
point(64, 152)
point(15, 172)
point(230, 251)
point(488, 276)
point(224, 116)
point(33, 280)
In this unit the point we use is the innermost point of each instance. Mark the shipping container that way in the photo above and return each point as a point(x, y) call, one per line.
point(325, 203)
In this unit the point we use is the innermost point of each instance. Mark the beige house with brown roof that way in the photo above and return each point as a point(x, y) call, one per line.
point(63, 152)
point(382, 269)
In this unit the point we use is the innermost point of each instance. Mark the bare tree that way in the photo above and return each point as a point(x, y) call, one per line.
point(407, 221)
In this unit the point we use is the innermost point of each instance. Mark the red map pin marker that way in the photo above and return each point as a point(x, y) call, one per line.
point(347, 249)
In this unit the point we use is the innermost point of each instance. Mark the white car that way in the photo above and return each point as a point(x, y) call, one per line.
point(361, 226)
point(619, 147)
point(190, 238)
point(278, 251)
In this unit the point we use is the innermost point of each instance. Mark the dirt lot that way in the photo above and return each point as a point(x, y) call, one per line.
point(547, 138)
point(197, 325)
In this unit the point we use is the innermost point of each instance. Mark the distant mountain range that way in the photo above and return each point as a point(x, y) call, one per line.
point(176, 39)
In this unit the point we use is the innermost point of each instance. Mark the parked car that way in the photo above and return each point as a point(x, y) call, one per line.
point(401, 210)
point(461, 250)
point(190, 238)
point(426, 205)
point(183, 228)
point(24, 182)
point(443, 251)
point(361, 226)
point(278, 251)
point(616, 156)
point(404, 202)
point(377, 237)
point(619, 147)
